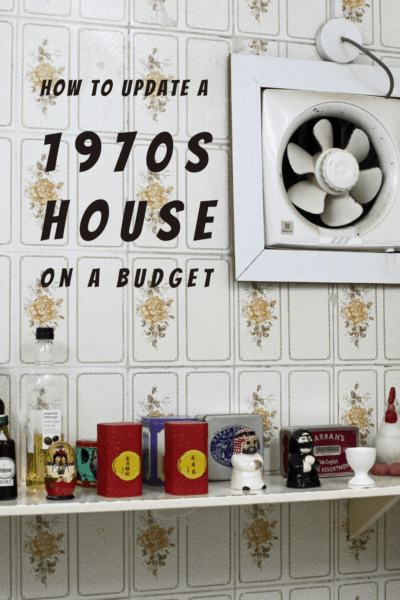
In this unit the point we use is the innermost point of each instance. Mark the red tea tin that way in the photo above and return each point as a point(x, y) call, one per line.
point(330, 443)
point(119, 449)
point(185, 462)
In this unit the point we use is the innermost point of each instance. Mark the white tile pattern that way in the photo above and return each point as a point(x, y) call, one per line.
point(6, 72)
point(293, 353)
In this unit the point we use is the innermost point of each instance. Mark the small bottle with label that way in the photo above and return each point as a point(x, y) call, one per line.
point(8, 476)
point(45, 409)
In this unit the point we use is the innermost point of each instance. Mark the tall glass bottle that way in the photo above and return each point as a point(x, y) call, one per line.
point(45, 407)
point(8, 476)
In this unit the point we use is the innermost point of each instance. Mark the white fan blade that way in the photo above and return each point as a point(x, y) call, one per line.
point(324, 134)
point(300, 160)
point(368, 185)
point(358, 145)
point(340, 210)
point(307, 196)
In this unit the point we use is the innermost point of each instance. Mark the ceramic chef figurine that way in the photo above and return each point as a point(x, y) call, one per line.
point(303, 466)
point(247, 463)
point(60, 475)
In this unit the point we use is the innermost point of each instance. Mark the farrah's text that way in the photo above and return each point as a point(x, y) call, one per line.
point(140, 277)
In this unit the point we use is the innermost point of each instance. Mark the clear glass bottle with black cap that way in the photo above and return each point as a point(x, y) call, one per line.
point(8, 475)
point(45, 409)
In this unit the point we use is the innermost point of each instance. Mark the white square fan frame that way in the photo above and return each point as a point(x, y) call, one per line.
point(250, 75)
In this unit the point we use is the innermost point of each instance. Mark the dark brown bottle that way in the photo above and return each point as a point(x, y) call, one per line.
point(8, 474)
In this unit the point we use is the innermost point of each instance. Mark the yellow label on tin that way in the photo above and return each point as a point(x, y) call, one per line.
point(127, 465)
point(192, 464)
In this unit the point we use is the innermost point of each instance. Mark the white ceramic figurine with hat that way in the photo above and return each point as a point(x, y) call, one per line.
point(247, 462)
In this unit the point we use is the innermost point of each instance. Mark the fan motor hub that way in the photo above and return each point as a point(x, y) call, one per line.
point(336, 171)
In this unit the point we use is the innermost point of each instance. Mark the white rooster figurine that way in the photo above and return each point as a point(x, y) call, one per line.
point(387, 440)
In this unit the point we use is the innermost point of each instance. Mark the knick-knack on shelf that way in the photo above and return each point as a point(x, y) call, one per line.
point(387, 440)
point(8, 476)
point(46, 409)
point(119, 460)
point(185, 462)
point(303, 466)
point(247, 462)
point(361, 461)
point(86, 463)
point(60, 477)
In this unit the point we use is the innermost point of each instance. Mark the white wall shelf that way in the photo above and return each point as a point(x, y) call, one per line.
point(87, 501)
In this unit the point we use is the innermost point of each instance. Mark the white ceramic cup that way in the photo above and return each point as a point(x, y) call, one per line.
point(361, 460)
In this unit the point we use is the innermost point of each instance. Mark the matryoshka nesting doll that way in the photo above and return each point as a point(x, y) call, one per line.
point(60, 472)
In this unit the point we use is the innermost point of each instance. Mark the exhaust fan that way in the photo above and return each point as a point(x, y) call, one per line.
point(331, 170)
point(316, 165)
point(335, 188)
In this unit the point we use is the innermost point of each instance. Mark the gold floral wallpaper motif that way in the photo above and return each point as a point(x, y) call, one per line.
point(155, 69)
point(358, 546)
point(354, 10)
point(259, 532)
point(43, 308)
point(43, 402)
point(152, 407)
point(258, 47)
point(356, 312)
point(356, 413)
point(43, 68)
point(258, 311)
point(259, 405)
point(155, 312)
point(44, 546)
point(156, 192)
point(41, 189)
point(155, 4)
point(155, 542)
point(258, 7)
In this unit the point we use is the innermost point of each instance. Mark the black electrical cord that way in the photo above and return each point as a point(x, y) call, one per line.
point(376, 59)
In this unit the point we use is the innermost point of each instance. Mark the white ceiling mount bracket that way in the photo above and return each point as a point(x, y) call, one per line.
point(329, 41)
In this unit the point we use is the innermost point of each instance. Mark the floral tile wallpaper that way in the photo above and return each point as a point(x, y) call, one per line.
point(289, 352)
